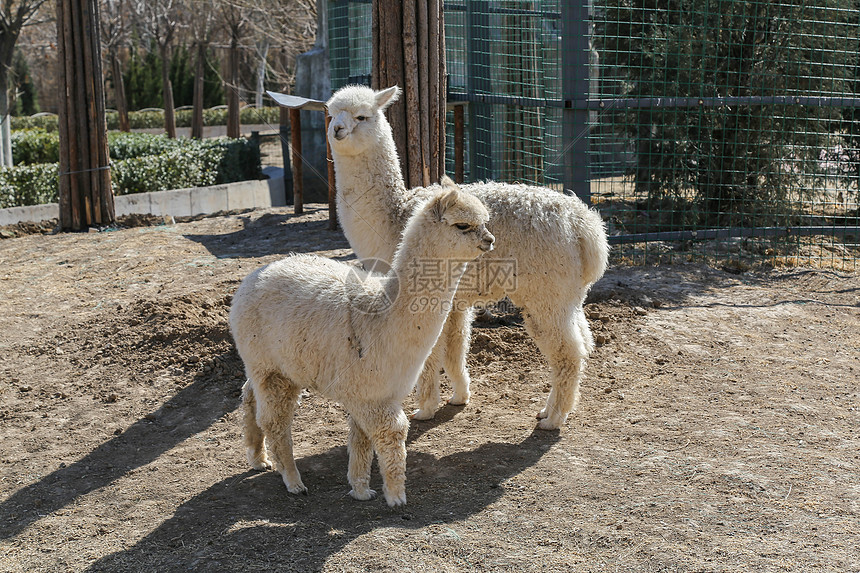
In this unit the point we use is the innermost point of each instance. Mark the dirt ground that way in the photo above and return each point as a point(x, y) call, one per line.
point(718, 427)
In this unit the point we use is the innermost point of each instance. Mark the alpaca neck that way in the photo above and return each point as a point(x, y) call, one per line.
point(371, 198)
point(427, 283)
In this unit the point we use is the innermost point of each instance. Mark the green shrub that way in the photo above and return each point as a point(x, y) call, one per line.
point(155, 119)
point(139, 163)
point(240, 159)
point(31, 146)
point(129, 145)
point(28, 185)
point(175, 169)
point(48, 122)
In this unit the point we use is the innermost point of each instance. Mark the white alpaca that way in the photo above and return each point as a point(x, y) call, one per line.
point(552, 249)
point(308, 321)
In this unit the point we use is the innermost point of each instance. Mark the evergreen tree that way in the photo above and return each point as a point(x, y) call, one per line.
point(143, 79)
point(722, 165)
point(25, 98)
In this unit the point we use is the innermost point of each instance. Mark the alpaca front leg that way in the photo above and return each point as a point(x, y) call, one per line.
point(255, 440)
point(388, 433)
point(360, 458)
point(457, 333)
point(277, 400)
point(427, 391)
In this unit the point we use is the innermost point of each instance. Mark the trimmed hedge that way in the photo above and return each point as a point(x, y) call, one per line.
point(28, 185)
point(31, 146)
point(141, 163)
point(155, 119)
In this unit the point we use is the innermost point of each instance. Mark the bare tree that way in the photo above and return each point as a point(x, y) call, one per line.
point(14, 15)
point(159, 21)
point(114, 35)
point(203, 27)
point(235, 17)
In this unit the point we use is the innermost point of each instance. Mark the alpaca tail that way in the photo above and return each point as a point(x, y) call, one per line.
point(594, 247)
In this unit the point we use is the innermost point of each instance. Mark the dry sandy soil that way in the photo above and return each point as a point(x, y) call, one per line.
point(718, 427)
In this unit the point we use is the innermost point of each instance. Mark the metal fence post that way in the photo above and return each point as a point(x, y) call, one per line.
point(478, 58)
point(575, 91)
point(338, 46)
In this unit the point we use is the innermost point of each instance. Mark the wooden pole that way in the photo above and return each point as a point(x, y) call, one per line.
point(424, 73)
point(411, 93)
point(284, 135)
point(298, 182)
point(436, 106)
point(409, 51)
point(85, 194)
point(458, 143)
point(332, 188)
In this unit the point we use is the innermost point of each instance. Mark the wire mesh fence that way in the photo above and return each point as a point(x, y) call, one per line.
point(722, 130)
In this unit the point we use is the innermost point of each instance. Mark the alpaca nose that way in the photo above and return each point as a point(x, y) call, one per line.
point(487, 242)
point(339, 132)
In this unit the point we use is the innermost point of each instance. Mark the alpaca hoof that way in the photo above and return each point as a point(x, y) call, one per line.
point(396, 500)
point(552, 422)
point(459, 400)
point(423, 414)
point(296, 488)
point(258, 462)
point(542, 414)
point(363, 494)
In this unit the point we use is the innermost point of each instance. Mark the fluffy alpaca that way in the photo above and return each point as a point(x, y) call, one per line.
point(355, 337)
point(553, 248)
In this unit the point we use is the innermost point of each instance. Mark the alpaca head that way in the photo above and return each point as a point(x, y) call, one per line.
point(357, 119)
point(459, 223)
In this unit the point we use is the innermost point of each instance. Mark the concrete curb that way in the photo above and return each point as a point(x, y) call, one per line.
point(178, 203)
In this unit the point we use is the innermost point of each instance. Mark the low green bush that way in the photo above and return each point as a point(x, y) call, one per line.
point(30, 146)
point(155, 119)
point(28, 185)
point(129, 145)
point(140, 163)
point(48, 122)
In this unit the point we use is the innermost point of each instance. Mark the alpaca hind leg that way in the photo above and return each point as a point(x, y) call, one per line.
point(427, 391)
point(387, 429)
point(255, 440)
point(277, 400)
point(360, 458)
point(457, 336)
point(560, 339)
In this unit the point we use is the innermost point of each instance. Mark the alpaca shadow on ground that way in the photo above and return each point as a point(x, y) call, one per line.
point(249, 521)
point(273, 233)
point(189, 411)
point(443, 415)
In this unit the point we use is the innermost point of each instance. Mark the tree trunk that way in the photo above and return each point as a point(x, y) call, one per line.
point(409, 51)
point(5, 131)
point(85, 190)
point(197, 114)
point(262, 52)
point(233, 126)
point(119, 91)
point(167, 92)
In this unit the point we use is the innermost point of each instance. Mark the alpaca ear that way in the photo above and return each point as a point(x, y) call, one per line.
point(387, 97)
point(445, 201)
point(448, 182)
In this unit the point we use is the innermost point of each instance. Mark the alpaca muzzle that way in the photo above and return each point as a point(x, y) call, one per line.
point(487, 240)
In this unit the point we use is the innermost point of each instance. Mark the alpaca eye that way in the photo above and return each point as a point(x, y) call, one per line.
point(463, 226)
point(361, 117)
